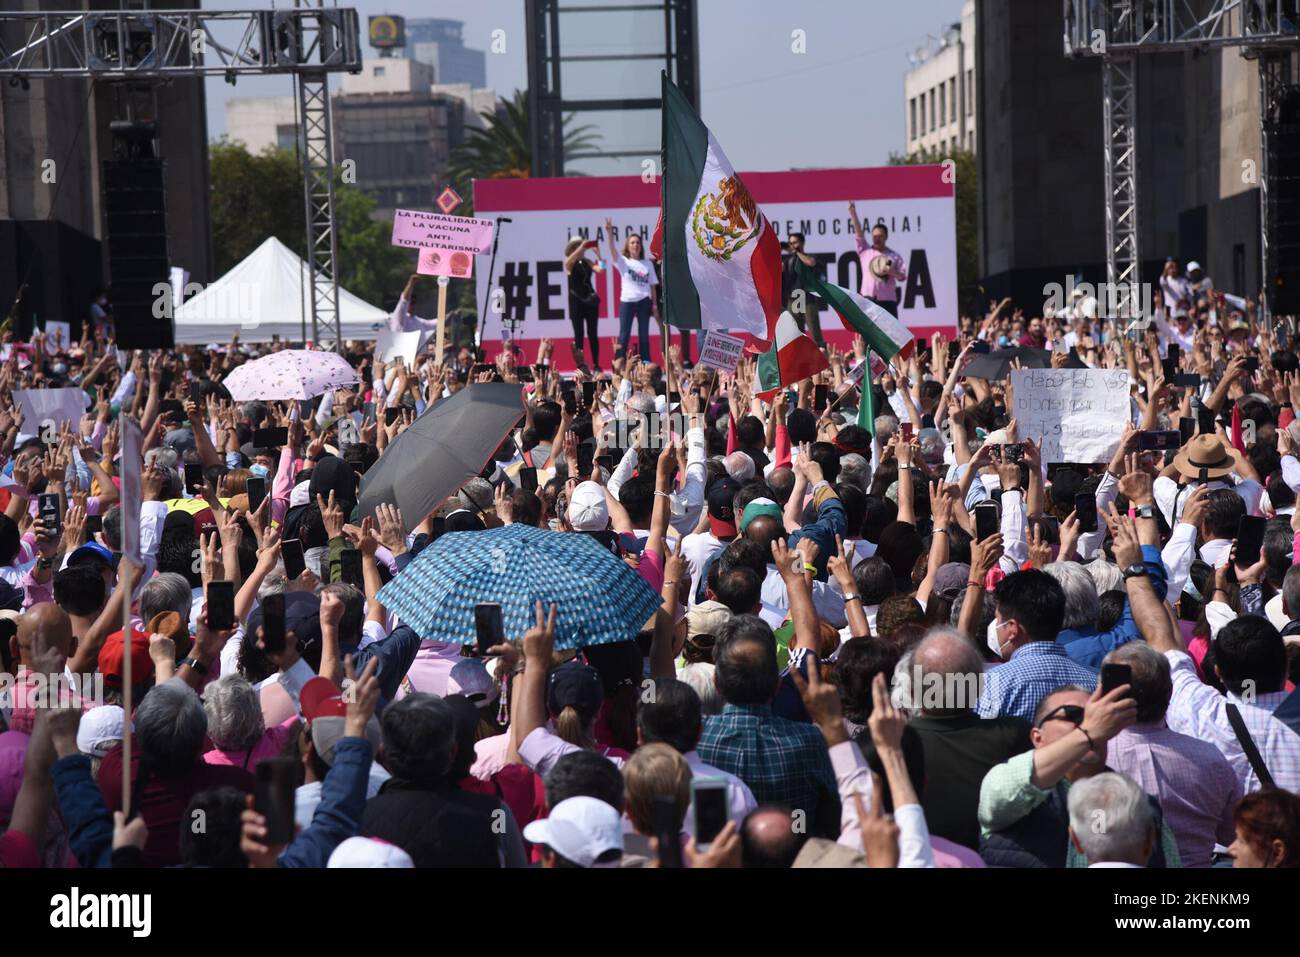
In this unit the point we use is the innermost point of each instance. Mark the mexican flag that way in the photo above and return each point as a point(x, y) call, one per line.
point(866, 407)
point(721, 258)
point(886, 336)
point(791, 358)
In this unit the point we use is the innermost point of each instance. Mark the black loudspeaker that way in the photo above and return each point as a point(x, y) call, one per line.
point(135, 227)
point(1284, 198)
point(60, 266)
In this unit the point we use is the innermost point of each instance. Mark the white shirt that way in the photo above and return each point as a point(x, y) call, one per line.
point(698, 549)
point(741, 797)
point(638, 276)
point(307, 798)
point(827, 600)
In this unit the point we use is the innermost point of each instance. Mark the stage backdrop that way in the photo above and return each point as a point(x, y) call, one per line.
point(913, 201)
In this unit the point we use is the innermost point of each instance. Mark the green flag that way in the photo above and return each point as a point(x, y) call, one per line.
point(866, 414)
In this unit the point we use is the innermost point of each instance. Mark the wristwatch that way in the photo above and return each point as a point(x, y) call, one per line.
point(1136, 570)
point(1146, 511)
point(196, 665)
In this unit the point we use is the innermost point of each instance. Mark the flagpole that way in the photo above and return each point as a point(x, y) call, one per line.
point(663, 172)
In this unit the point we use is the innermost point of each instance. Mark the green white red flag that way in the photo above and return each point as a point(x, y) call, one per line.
point(791, 357)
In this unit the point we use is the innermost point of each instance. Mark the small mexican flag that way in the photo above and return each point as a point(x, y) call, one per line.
point(721, 258)
point(791, 358)
point(886, 336)
point(866, 407)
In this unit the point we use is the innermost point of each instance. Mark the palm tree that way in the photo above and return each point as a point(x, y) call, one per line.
point(503, 151)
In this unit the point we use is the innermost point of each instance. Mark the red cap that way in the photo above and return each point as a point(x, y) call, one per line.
point(203, 517)
point(111, 659)
point(321, 698)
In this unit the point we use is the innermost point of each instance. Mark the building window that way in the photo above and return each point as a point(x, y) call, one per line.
point(379, 70)
point(911, 105)
point(943, 104)
point(932, 114)
point(952, 100)
point(970, 92)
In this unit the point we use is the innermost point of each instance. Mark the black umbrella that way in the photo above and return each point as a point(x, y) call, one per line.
point(442, 450)
point(997, 365)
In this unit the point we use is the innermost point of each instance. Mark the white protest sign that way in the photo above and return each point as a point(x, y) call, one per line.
point(720, 351)
point(390, 346)
point(45, 410)
point(132, 464)
point(1078, 414)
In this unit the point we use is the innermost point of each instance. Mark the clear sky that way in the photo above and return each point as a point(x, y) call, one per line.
point(837, 103)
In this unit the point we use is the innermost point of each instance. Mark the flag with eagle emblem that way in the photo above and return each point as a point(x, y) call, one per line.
point(721, 258)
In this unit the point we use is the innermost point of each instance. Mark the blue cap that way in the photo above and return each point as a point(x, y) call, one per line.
point(91, 551)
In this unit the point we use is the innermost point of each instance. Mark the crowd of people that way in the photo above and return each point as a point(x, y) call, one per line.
point(849, 665)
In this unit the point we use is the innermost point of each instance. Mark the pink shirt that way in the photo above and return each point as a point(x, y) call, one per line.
point(871, 286)
point(271, 746)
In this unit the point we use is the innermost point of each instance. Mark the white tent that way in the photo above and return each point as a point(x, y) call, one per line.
point(267, 295)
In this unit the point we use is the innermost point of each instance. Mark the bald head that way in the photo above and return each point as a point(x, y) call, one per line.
point(768, 839)
point(764, 529)
point(44, 633)
point(949, 669)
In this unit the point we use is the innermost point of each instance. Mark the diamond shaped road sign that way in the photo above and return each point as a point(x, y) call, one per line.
point(448, 200)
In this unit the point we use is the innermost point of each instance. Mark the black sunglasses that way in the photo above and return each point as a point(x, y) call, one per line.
point(1072, 713)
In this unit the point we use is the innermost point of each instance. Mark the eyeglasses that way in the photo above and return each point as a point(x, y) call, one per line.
point(1072, 713)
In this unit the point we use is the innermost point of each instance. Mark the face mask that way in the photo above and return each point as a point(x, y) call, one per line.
point(260, 470)
point(994, 643)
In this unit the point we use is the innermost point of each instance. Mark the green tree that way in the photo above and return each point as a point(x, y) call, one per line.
point(963, 172)
point(255, 196)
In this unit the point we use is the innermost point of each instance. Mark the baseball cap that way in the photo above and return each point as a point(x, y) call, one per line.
point(91, 552)
point(582, 830)
point(587, 509)
point(112, 655)
point(722, 514)
point(950, 580)
point(759, 506)
point(706, 618)
point(577, 685)
point(322, 705)
point(1193, 266)
point(101, 729)
point(469, 677)
point(369, 852)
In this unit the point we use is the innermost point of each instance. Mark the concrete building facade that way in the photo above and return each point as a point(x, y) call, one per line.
point(939, 90)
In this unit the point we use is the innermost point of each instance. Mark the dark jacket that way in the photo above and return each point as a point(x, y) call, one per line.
point(438, 825)
point(85, 815)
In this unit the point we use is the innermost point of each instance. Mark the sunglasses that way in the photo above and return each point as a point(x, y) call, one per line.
point(1072, 713)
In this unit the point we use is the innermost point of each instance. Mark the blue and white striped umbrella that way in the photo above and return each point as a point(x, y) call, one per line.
point(598, 598)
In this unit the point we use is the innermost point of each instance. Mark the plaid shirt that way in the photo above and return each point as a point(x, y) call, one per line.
point(783, 762)
point(1034, 671)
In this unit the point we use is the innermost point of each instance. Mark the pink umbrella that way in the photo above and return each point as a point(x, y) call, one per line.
point(290, 374)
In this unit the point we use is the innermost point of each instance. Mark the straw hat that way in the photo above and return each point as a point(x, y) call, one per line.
point(1206, 452)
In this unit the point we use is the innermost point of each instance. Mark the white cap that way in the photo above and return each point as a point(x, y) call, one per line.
point(1193, 266)
point(579, 829)
point(101, 730)
point(587, 509)
point(469, 676)
point(369, 852)
point(739, 466)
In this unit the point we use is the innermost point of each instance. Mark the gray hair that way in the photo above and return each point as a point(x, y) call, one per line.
point(163, 457)
point(1153, 683)
point(170, 725)
point(1082, 606)
point(989, 613)
point(1111, 819)
point(167, 591)
point(699, 675)
point(1105, 575)
point(640, 403)
point(234, 713)
point(477, 495)
point(855, 470)
point(886, 426)
point(947, 662)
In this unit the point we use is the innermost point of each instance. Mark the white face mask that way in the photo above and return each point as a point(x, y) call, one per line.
point(994, 643)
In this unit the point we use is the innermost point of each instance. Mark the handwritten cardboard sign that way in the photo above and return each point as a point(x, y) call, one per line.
point(417, 229)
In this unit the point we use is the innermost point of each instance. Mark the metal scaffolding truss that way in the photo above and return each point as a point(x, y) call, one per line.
point(159, 43)
point(318, 188)
point(308, 42)
point(1119, 31)
point(1153, 26)
point(1123, 268)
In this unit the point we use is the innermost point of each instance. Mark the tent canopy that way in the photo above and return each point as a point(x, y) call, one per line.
point(268, 295)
